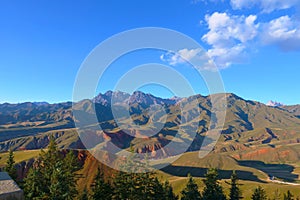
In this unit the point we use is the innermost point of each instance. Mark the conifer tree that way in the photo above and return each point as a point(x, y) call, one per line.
point(190, 192)
point(63, 182)
point(33, 184)
point(70, 167)
point(212, 190)
point(84, 195)
point(154, 188)
point(277, 195)
point(101, 189)
point(123, 185)
point(259, 194)
point(125, 180)
point(133, 186)
point(168, 190)
point(51, 156)
point(288, 196)
point(134, 183)
point(58, 188)
point(52, 176)
point(48, 160)
point(71, 161)
point(235, 192)
point(10, 165)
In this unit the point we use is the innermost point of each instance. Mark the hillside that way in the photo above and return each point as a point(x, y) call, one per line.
point(294, 109)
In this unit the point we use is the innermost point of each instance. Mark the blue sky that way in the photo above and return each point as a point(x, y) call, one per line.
point(255, 45)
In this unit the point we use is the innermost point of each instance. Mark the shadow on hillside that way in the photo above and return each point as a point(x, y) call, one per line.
point(9, 134)
point(200, 172)
point(282, 171)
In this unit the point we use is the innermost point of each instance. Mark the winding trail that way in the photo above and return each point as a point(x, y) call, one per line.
point(283, 182)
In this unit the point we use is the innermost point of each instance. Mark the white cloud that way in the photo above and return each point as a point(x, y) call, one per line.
point(182, 56)
point(229, 36)
point(282, 28)
point(171, 58)
point(233, 37)
point(284, 32)
point(224, 57)
point(197, 57)
point(225, 29)
point(188, 55)
point(266, 6)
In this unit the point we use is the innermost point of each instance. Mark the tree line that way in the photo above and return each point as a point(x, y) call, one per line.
point(54, 177)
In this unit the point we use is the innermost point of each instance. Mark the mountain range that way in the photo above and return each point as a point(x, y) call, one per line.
point(249, 125)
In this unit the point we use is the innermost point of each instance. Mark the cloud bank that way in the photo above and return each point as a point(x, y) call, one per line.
point(229, 36)
point(232, 38)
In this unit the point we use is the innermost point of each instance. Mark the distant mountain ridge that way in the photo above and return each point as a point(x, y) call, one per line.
point(22, 112)
point(136, 97)
point(294, 109)
point(247, 123)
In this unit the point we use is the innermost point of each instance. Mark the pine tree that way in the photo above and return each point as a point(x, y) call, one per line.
point(133, 186)
point(70, 166)
point(52, 176)
point(190, 192)
point(71, 161)
point(84, 195)
point(168, 190)
point(48, 160)
point(10, 165)
point(62, 183)
point(134, 183)
point(101, 189)
point(123, 185)
point(235, 192)
point(154, 189)
point(33, 184)
point(131, 182)
point(212, 190)
point(288, 196)
point(259, 194)
point(51, 156)
point(58, 188)
point(277, 195)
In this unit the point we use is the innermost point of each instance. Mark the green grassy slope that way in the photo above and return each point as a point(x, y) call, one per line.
point(19, 156)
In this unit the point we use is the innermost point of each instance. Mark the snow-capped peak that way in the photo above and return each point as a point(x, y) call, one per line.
point(274, 104)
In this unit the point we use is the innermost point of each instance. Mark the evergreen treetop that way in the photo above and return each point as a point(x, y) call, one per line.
point(259, 194)
point(212, 190)
point(10, 165)
point(190, 192)
point(235, 192)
